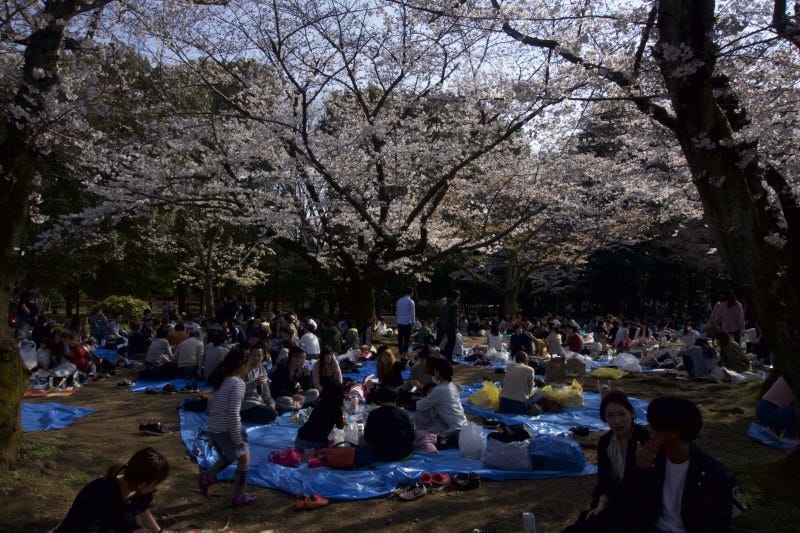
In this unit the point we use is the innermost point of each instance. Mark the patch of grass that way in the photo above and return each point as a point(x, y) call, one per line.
point(41, 451)
point(771, 491)
point(77, 477)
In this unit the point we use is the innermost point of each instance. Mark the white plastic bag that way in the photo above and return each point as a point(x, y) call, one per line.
point(470, 441)
point(627, 362)
point(351, 432)
point(336, 435)
point(27, 351)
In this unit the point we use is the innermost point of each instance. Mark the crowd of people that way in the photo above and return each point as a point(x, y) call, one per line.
point(655, 480)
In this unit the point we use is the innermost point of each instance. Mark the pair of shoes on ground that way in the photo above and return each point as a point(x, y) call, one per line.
point(468, 481)
point(241, 500)
point(409, 491)
point(125, 383)
point(189, 387)
point(153, 428)
point(434, 482)
point(304, 502)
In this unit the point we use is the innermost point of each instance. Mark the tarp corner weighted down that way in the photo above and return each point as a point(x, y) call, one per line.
point(51, 415)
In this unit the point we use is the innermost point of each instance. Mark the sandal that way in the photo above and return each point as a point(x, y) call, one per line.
point(316, 501)
point(413, 493)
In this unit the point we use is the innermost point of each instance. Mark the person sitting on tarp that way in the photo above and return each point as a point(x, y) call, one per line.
point(731, 354)
point(138, 343)
point(520, 340)
point(441, 411)
point(389, 430)
point(291, 382)
point(699, 360)
point(516, 397)
point(776, 410)
point(159, 351)
point(329, 412)
point(616, 459)
point(258, 407)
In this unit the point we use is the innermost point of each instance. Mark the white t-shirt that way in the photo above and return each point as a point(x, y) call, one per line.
point(309, 343)
point(671, 494)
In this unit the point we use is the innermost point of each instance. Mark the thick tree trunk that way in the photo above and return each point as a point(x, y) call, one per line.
point(360, 298)
point(18, 161)
point(730, 186)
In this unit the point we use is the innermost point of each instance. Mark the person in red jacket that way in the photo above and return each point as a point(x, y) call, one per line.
point(79, 355)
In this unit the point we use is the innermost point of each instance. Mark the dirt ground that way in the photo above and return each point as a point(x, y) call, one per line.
point(55, 464)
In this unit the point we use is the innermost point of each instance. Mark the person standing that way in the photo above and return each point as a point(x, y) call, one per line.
point(27, 308)
point(450, 315)
point(729, 315)
point(406, 316)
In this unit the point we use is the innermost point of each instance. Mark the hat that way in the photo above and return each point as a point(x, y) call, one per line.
point(311, 324)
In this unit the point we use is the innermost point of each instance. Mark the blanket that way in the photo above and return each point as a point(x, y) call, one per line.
point(332, 483)
point(46, 416)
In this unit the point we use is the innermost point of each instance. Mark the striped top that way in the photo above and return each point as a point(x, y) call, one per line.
point(224, 414)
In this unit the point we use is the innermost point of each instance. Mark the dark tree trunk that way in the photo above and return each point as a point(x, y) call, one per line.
point(731, 188)
point(18, 162)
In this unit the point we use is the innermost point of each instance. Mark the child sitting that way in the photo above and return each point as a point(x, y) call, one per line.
point(388, 429)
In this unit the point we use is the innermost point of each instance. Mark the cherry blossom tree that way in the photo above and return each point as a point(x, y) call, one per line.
point(721, 80)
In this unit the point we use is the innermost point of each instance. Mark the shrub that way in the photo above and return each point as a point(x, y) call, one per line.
point(130, 307)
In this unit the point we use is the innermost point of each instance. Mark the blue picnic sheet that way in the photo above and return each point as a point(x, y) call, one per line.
point(142, 385)
point(554, 423)
point(332, 483)
point(759, 433)
point(51, 415)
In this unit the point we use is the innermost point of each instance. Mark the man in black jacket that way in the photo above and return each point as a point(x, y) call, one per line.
point(676, 486)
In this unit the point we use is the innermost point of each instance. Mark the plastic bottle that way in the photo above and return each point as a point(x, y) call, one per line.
point(528, 523)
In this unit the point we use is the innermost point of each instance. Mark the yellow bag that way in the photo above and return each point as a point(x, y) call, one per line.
point(571, 396)
point(488, 396)
point(607, 372)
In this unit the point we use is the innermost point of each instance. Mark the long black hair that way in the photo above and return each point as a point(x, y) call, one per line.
point(235, 360)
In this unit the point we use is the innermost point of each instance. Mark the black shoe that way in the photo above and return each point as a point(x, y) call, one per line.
point(169, 388)
point(153, 428)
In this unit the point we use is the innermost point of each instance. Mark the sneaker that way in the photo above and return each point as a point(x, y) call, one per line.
point(204, 482)
point(169, 388)
point(316, 501)
point(190, 387)
point(244, 499)
point(153, 428)
point(300, 502)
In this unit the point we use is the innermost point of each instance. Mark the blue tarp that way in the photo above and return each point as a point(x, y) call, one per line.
point(52, 415)
point(107, 354)
point(758, 432)
point(554, 423)
point(141, 384)
point(338, 484)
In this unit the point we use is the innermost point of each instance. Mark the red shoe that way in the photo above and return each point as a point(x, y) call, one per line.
point(300, 502)
point(426, 479)
point(439, 482)
point(316, 501)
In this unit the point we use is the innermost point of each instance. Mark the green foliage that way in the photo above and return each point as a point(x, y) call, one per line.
point(129, 306)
